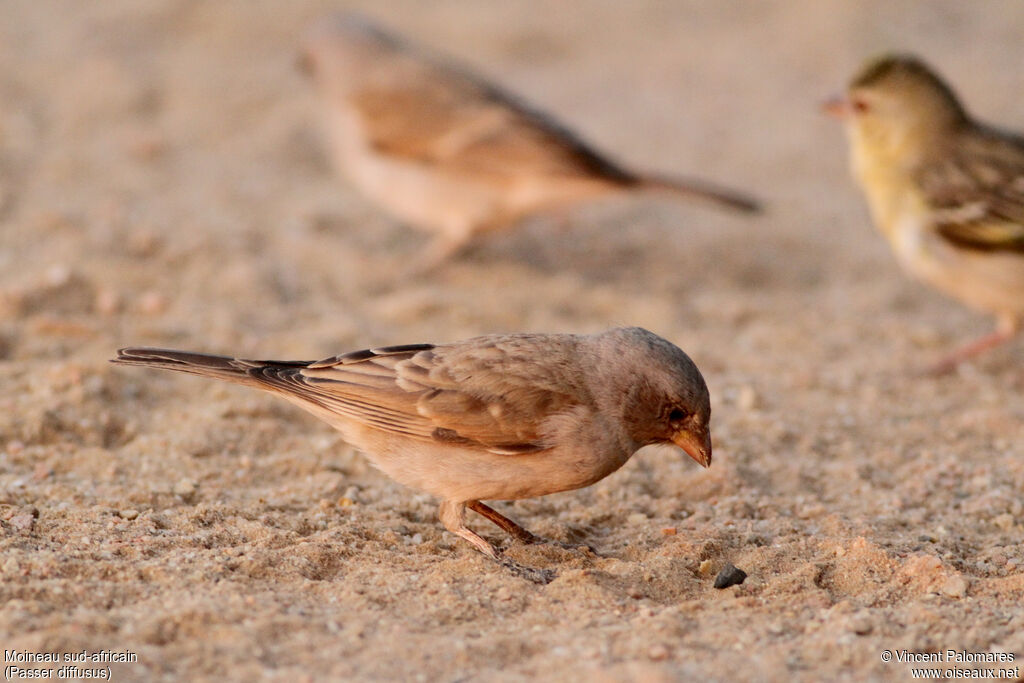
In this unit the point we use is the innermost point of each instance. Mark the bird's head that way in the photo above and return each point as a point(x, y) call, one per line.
point(897, 106)
point(659, 393)
point(342, 47)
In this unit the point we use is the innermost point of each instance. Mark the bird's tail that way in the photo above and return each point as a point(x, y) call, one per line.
point(692, 188)
point(221, 367)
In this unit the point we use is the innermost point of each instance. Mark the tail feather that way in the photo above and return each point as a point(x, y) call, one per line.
point(692, 188)
point(222, 367)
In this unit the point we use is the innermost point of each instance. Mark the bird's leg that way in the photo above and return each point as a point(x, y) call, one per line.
point(510, 527)
point(1006, 328)
point(518, 532)
point(453, 516)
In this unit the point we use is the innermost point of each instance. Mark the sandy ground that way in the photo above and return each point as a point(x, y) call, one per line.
point(162, 183)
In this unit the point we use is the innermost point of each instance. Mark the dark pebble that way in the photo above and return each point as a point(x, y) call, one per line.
point(730, 575)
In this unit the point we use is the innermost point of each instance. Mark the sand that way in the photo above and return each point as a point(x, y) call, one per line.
point(162, 182)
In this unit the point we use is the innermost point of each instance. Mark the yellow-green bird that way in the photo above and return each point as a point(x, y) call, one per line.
point(944, 189)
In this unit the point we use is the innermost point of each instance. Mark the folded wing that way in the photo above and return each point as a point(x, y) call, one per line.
point(977, 196)
point(484, 395)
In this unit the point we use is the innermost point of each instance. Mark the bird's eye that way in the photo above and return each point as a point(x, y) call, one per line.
point(677, 415)
point(859, 106)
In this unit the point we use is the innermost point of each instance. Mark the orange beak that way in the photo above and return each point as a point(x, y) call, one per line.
point(697, 447)
point(837, 107)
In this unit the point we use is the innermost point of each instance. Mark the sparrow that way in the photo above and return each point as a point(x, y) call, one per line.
point(498, 417)
point(448, 152)
point(946, 190)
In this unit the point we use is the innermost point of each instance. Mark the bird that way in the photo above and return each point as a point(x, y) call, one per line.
point(448, 152)
point(946, 190)
point(497, 417)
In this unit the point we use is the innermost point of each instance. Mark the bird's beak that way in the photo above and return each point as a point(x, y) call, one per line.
point(696, 446)
point(837, 107)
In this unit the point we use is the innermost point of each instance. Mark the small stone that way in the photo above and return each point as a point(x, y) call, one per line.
point(705, 568)
point(41, 471)
point(668, 531)
point(128, 514)
point(861, 624)
point(636, 593)
point(1004, 521)
point(185, 487)
point(658, 653)
point(345, 502)
point(955, 586)
point(58, 275)
point(747, 399)
point(637, 518)
point(730, 576)
point(152, 303)
point(108, 302)
point(23, 522)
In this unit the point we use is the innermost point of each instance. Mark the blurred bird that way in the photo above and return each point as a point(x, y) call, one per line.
point(499, 417)
point(448, 152)
point(945, 190)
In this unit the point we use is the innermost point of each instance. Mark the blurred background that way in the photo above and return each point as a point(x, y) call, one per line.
point(166, 155)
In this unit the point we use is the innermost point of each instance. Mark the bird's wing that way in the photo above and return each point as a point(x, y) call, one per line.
point(445, 116)
point(977, 193)
point(478, 395)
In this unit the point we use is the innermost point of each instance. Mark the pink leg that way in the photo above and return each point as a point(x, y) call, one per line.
point(1006, 328)
point(510, 527)
point(453, 516)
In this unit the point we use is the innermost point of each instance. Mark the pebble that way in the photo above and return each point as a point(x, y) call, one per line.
point(1004, 521)
point(658, 653)
point(23, 522)
point(185, 487)
point(730, 576)
point(955, 586)
point(705, 568)
point(108, 302)
point(861, 624)
point(128, 514)
point(747, 399)
point(58, 275)
point(152, 303)
point(668, 531)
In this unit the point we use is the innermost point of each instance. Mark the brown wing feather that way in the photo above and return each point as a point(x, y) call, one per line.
point(485, 395)
point(977, 195)
point(446, 115)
